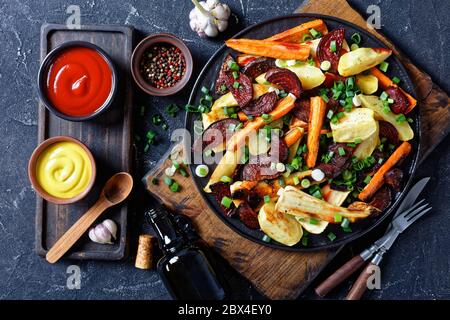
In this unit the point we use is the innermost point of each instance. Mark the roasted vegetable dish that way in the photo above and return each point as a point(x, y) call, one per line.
point(307, 129)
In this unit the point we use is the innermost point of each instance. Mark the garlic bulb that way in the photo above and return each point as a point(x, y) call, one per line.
point(104, 232)
point(209, 18)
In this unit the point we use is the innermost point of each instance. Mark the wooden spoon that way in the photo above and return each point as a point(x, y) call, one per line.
point(116, 189)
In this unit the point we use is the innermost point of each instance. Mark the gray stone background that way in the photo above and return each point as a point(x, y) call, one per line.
point(417, 266)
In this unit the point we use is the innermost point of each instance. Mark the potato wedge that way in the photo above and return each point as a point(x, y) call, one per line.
point(331, 196)
point(225, 167)
point(258, 143)
point(279, 226)
point(366, 147)
point(405, 133)
point(356, 124)
point(227, 100)
point(367, 83)
point(296, 202)
point(361, 59)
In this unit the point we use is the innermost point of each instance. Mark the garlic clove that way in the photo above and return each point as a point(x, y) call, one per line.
point(222, 25)
point(211, 30)
point(111, 226)
point(102, 233)
point(92, 235)
point(212, 3)
point(221, 12)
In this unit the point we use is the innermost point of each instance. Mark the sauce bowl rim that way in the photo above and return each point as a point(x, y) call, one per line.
point(32, 170)
point(43, 73)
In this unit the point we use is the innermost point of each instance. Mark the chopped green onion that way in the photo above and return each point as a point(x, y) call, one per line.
point(296, 180)
point(236, 84)
point(313, 221)
point(306, 37)
point(183, 172)
point(305, 183)
point(266, 199)
point(345, 223)
point(340, 115)
point(333, 46)
point(396, 80)
point(266, 117)
point(367, 179)
point(172, 110)
point(266, 238)
point(410, 120)
point(281, 182)
point(311, 62)
point(384, 66)
point(208, 97)
point(384, 96)
point(147, 146)
point(386, 109)
point(390, 101)
point(233, 66)
point(358, 140)
point(295, 163)
point(401, 118)
point(354, 46)
point(154, 181)
point(356, 38)
point(331, 236)
point(235, 75)
point(325, 98)
point(334, 120)
point(226, 202)
point(168, 181)
point(205, 90)
point(203, 171)
point(316, 34)
point(174, 187)
point(209, 152)
point(317, 194)
point(223, 88)
point(347, 230)
point(341, 151)
point(304, 241)
point(176, 164)
point(337, 218)
point(225, 179)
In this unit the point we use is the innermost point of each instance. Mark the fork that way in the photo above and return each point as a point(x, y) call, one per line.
point(401, 222)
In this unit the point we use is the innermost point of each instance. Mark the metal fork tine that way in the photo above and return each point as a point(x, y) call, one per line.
point(419, 215)
point(416, 211)
point(405, 213)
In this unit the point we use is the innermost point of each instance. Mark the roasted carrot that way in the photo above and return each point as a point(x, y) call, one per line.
point(296, 34)
point(378, 179)
point(386, 82)
point(317, 114)
point(242, 116)
point(272, 49)
point(293, 135)
point(296, 122)
point(282, 107)
point(243, 59)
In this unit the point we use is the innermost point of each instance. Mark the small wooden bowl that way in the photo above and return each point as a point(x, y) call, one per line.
point(32, 170)
point(142, 47)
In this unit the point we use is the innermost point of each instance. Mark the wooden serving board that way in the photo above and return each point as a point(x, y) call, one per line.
point(281, 274)
point(108, 137)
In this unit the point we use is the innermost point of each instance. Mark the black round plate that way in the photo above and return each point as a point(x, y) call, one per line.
point(263, 30)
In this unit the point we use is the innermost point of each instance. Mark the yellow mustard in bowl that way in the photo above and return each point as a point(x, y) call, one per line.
point(64, 169)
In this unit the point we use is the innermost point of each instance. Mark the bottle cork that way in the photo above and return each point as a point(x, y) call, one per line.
point(144, 257)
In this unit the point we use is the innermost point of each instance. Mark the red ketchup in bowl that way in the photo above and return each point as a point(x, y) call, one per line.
point(79, 81)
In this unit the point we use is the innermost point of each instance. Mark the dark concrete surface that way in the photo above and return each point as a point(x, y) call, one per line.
point(417, 266)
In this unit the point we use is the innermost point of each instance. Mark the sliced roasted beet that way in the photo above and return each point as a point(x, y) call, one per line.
point(248, 216)
point(264, 104)
point(382, 199)
point(258, 66)
point(221, 79)
point(389, 132)
point(324, 51)
point(215, 134)
point(401, 103)
point(301, 109)
point(338, 163)
point(254, 199)
point(331, 78)
point(244, 92)
point(220, 190)
point(394, 178)
point(260, 167)
point(286, 79)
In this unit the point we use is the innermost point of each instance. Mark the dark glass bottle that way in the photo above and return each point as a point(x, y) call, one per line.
point(184, 268)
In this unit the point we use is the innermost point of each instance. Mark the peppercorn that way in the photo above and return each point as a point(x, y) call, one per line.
point(163, 65)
